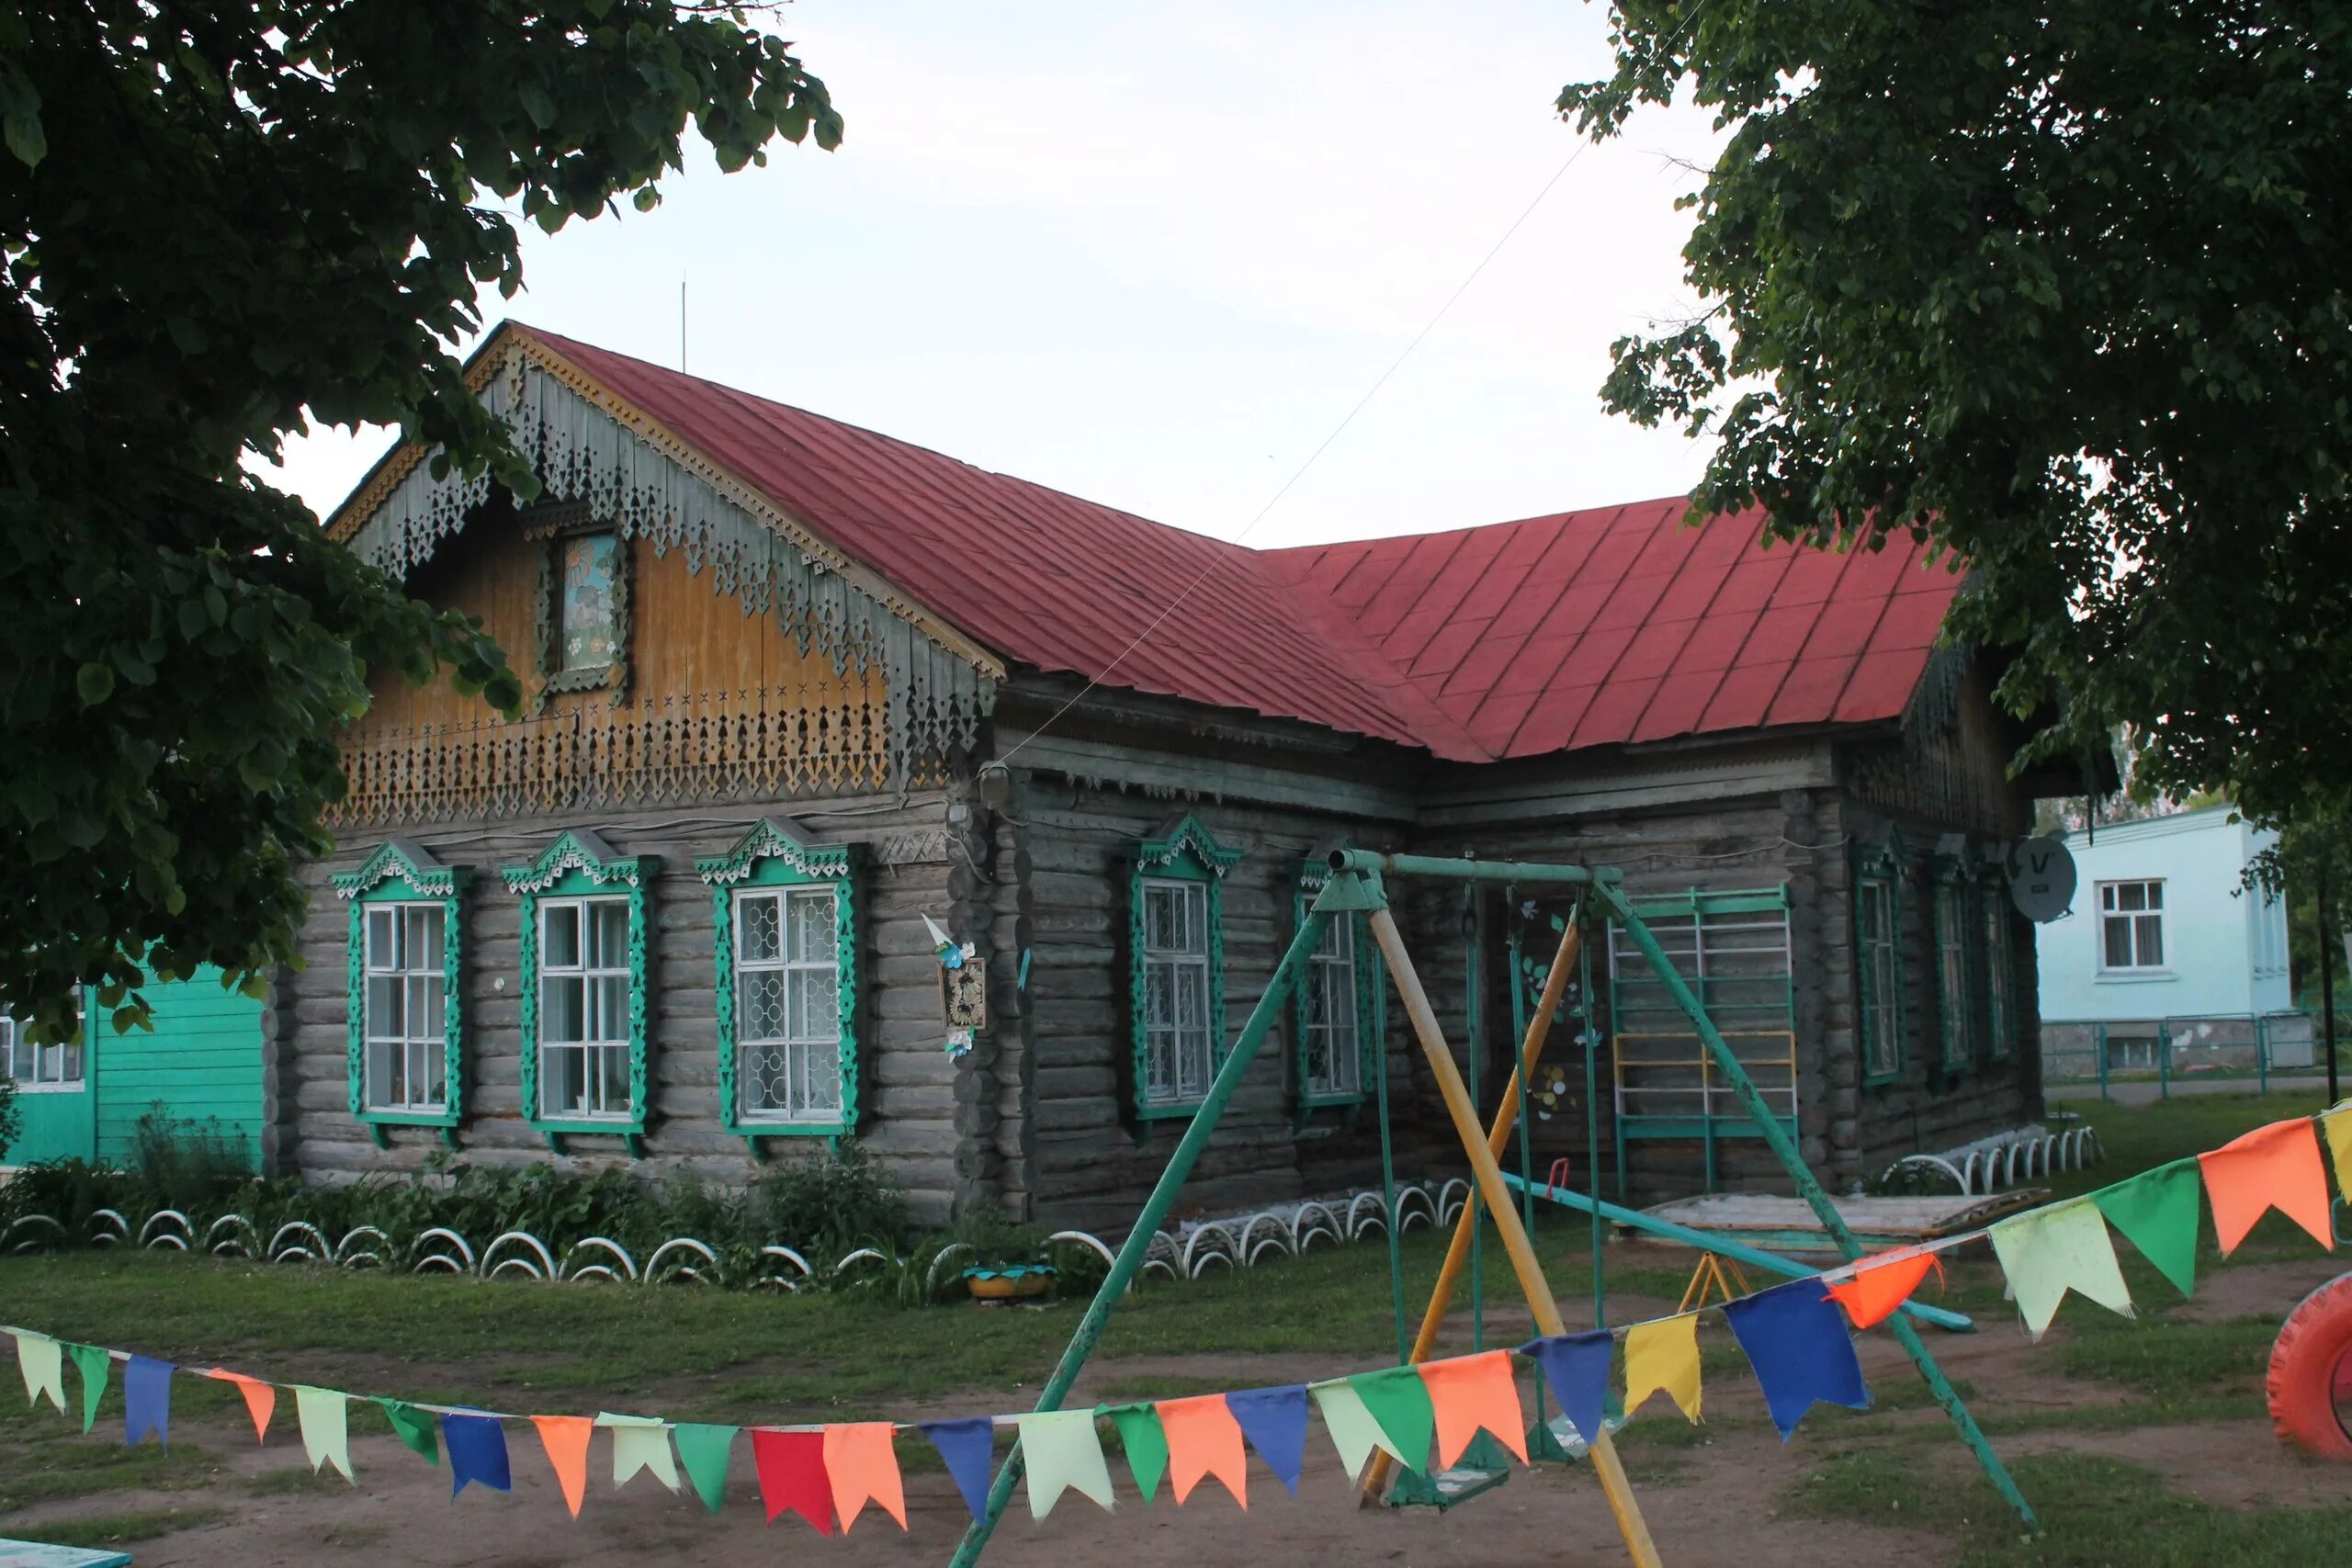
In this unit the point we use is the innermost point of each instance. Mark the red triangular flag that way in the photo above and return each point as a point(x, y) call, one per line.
point(2278, 1167)
point(791, 1467)
point(1876, 1289)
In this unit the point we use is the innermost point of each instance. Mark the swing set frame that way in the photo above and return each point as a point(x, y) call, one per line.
point(1357, 887)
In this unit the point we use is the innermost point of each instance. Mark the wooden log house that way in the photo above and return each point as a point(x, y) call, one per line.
point(793, 686)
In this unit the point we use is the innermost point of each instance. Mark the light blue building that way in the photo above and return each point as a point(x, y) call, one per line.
point(2162, 946)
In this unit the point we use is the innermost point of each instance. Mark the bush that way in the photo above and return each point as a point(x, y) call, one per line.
point(11, 1116)
point(832, 1203)
point(187, 1166)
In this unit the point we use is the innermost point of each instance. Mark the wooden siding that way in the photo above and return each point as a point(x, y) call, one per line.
point(202, 1064)
point(909, 1088)
point(716, 701)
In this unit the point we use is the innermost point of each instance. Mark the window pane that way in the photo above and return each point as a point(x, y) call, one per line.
point(614, 1089)
point(559, 936)
point(383, 946)
point(759, 918)
point(2151, 940)
point(611, 1019)
point(560, 1082)
point(423, 945)
point(386, 1017)
point(2153, 895)
point(761, 1070)
point(2118, 936)
point(562, 1004)
point(760, 1005)
point(609, 944)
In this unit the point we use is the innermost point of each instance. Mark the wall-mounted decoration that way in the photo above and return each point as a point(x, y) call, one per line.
point(963, 989)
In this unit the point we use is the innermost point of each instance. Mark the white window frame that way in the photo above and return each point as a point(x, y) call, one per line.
point(2111, 912)
point(825, 977)
point(603, 1036)
point(1178, 1063)
point(1331, 981)
point(44, 1069)
point(417, 1047)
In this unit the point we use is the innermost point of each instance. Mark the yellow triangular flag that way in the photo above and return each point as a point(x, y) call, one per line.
point(1352, 1429)
point(1664, 1355)
point(2047, 1252)
point(1063, 1454)
point(42, 1361)
point(2337, 1125)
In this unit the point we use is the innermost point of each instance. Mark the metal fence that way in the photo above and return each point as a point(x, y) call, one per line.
point(2243, 1050)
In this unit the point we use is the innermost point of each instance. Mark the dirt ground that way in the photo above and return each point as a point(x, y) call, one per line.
point(1710, 1505)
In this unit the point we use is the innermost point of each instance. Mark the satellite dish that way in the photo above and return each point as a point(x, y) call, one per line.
point(2042, 879)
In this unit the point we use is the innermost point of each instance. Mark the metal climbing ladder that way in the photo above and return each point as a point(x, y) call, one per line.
point(1733, 950)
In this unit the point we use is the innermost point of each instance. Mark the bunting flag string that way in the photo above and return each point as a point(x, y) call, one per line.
point(1795, 1336)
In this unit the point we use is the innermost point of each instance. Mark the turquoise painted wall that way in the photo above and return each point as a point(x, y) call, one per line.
point(202, 1061)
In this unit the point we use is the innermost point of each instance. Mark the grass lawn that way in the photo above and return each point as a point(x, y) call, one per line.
point(697, 1354)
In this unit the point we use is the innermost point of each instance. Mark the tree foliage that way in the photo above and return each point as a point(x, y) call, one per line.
point(220, 221)
point(2061, 286)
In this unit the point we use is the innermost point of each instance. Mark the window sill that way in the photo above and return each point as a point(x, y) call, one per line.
point(1337, 1100)
point(630, 1130)
point(24, 1087)
point(753, 1132)
point(378, 1124)
point(2133, 977)
point(1169, 1111)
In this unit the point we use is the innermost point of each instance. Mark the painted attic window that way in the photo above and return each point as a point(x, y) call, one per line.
point(1176, 966)
point(584, 933)
point(1335, 1010)
point(784, 917)
point(581, 611)
point(1878, 958)
point(404, 996)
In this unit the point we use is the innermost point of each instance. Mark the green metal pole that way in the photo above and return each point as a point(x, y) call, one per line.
point(1518, 977)
point(1590, 1036)
point(1473, 912)
point(1388, 1177)
point(1472, 870)
point(1155, 1209)
point(1793, 1160)
point(1738, 1251)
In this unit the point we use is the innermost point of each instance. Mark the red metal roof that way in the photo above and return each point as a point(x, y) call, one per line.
point(1589, 629)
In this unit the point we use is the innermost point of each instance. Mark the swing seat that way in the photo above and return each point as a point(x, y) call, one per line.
point(34, 1554)
point(1482, 1467)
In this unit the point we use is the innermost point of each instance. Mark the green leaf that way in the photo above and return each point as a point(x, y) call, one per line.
point(536, 104)
point(95, 682)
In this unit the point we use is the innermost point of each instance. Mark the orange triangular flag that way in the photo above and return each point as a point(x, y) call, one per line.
point(261, 1398)
point(2278, 1167)
point(566, 1439)
point(1204, 1440)
point(1471, 1391)
point(1874, 1291)
point(864, 1467)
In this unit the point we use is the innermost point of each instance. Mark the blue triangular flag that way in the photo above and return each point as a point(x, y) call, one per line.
point(477, 1446)
point(1577, 1366)
point(1274, 1420)
point(1795, 1338)
point(147, 1400)
point(969, 1448)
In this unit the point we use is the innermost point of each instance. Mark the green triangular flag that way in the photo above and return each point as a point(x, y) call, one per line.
point(2047, 1252)
point(1353, 1431)
point(415, 1427)
point(2156, 1212)
point(1145, 1442)
point(1399, 1401)
point(92, 1363)
point(705, 1452)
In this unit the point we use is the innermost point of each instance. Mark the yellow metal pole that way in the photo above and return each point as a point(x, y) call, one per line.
point(1465, 1114)
point(1539, 1030)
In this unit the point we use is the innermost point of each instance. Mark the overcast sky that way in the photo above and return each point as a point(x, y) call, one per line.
point(1153, 256)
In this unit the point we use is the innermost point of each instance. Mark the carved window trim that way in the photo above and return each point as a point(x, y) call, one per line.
point(579, 865)
point(1364, 995)
point(1183, 850)
point(402, 872)
point(777, 854)
point(550, 526)
point(1879, 873)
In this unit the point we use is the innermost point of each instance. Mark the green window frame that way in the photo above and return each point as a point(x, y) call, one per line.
point(399, 893)
point(777, 867)
point(1878, 960)
point(2000, 972)
point(1175, 937)
point(1346, 967)
point(581, 868)
point(1955, 935)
